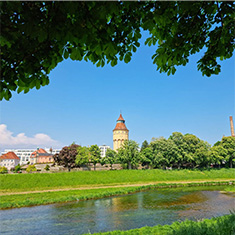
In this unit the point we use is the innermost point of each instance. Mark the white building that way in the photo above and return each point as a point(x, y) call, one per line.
point(52, 151)
point(103, 149)
point(24, 154)
point(9, 160)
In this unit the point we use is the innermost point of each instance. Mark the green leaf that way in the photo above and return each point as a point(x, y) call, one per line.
point(45, 80)
point(66, 54)
point(42, 36)
point(98, 63)
point(26, 90)
point(7, 95)
point(38, 84)
point(134, 48)
point(127, 57)
point(113, 63)
point(20, 89)
point(76, 54)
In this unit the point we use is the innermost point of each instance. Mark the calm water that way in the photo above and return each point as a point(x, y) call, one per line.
point(123, 212)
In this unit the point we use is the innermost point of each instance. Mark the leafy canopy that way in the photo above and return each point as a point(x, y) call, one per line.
point(110, 157)
point(66, 157)
point(129, 154)
point(82, 157)
point(36, 36)
point(95, 154)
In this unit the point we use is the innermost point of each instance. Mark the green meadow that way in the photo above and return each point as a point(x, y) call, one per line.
point(45, 181)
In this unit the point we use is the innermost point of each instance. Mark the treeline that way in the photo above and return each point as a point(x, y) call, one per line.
point(177, 152)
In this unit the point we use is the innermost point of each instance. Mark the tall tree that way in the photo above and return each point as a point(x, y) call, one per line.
point(165, 152)
point(228, 143)
point(95, 155)
point(129, 154)
point(66, 157)
point(36, 36)
point(82, 157)
point(144, 145)
point(110, 157)
point(147, 157)
point(217, 155)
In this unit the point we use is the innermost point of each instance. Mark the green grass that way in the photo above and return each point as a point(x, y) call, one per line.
point(33, 199)
point(224, 225)
point(230, 189)
point(32, 182)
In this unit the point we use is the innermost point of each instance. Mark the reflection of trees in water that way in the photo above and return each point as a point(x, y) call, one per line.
point(161, 199)
point(212, 204)
point(124, 203)
point(194, 197)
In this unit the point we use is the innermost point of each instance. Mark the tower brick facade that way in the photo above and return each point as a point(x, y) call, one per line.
point(120, 133)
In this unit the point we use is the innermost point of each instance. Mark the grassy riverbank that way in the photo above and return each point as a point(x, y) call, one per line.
point(43, 181)
point(223, 225)
point(33, 199)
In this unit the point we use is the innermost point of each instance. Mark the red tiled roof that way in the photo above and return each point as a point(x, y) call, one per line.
point(120, 124)
point(38, 151)
point(9, 155)
point(121, 118)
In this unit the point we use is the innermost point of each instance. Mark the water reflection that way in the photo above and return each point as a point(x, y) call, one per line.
point(123, 212)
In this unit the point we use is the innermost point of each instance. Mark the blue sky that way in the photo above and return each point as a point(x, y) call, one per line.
point(82, 103)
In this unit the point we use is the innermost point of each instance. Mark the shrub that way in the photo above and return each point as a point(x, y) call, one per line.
point(47, 168)
point(31, 168)
point(3, 170)
point(17, 169)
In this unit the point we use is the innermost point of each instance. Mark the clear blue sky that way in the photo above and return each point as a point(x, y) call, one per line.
point(82, 103)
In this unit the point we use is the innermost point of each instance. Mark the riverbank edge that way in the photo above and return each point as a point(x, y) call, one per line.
point(222, 225)
point(36, 199)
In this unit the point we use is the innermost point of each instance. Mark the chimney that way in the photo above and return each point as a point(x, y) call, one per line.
point(231, 126)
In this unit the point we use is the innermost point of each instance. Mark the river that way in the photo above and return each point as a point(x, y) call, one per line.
point(148, 208)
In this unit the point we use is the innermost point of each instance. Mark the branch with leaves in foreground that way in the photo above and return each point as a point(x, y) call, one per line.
point(36, 36)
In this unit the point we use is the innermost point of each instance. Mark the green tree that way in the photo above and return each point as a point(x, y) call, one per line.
point(47, 168)
point(66, 157)
point(95, 155)
point(82, 158)
point(128, 154)
point(110, 157)
point(3, 170)
point(217, 155)
point(178, 139)
point(36, 36)
point(147, 157)
point(165, 152)
point(228, 143)
point(31, 168)
point(144, 145)
point(17, 168)
point(190, 150)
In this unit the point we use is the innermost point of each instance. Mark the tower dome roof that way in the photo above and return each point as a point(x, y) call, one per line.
point(120, 124)
point(121, 118)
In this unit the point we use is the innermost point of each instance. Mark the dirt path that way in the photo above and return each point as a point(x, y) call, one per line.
point(112, 186)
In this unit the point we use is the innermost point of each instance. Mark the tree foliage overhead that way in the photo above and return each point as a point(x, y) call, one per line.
point(36, 36)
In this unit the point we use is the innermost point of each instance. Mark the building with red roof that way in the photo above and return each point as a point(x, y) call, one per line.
point(41, 156)
point(120, 133)
point(9, 160)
